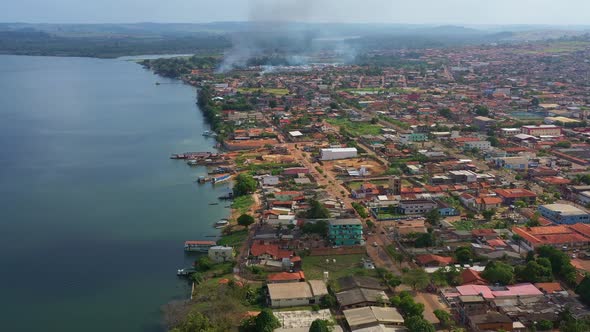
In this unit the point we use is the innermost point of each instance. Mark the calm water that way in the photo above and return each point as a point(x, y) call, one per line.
point(93, 214)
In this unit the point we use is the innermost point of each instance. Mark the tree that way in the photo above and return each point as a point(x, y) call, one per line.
point(319, 227)
point(444, 112)
point(418, 324)
point(489, 214)
point(417, 279)
point(463, 255)
point(196, 321)
point(482, 110)
point(534, 221)
point(266, 321)
point(493, 141)
point(583, 290)
point(564, 144)
point(424, 240)
point(320, 325)
point(498, 272)
point(444, 317)
point(245, 184)
point(538, 270)
point(406, 305)
point(433, 217)
point(317, 210)
point(544, 325)
point(245, 220)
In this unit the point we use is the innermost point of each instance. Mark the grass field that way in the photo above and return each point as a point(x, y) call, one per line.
point(235, 239)
point(356, 128)
point(561, 47)
point(346, 265)
point(276, 92)
point(242, 203)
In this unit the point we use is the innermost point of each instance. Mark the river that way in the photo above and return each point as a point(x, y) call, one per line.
point(93, 214)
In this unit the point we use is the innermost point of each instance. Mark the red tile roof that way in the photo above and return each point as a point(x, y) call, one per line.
point(515, 193)
point(286, 276)
point(472, 277)
point(429, 258)
point(549, 287)
point(259, 249)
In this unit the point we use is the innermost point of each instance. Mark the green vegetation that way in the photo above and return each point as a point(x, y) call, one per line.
point(317, 210)
point(416, 278)
point(354, 128)
point(498, 272)
point(321, 325)
point(419, 324)
point(319, 227)
point(536, 270)
point(360, 210)
point(243, 203)
point(264, 322)
point(445, 318)
point(425, 240)
point(234, 239)
point(560, 264)
point(178, 66)
point(406, 305)
point(394, 122)
point(273, 91)
point(464, 255)
point(244, 185)
point(390, 279)
point(245, 220)
point(345, 265)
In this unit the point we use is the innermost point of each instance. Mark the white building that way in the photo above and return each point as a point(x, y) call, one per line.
point(481, 145)
point(220, 254)
point(270, 180)
point(338, 153)
point(293, 294)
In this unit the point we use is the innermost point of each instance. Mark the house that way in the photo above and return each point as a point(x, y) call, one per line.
point(511, 196)
point(549, 287)
point(292, 294)
point(490, 321)
point(416, 206)
point(483, 122)
point(221, 254)
point(516, 163)
point(338, 153)
point(270, 180)
point(487, 203)
point(285, 277)
point(564, 214)
point(468, 305)
point(360, 297)
point(350, 282)
point(542, 130)
point(411, 137)
point(345, 232)
point(560, 236)
point(430, 260)
point(445, 209)
point(262, 250)
point(364, 317)
point(472, 277)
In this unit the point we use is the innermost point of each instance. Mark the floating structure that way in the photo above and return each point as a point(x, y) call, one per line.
point(198, 246)
point(185, 271)
point(221, 178)
point(221, 223)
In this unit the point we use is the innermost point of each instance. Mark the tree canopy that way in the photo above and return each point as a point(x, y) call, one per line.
point(317, 210)
point(404, 301)
point(417, 279)
point(245, 220)
point(498, 272)
point(245, 184)
point(418, 324)
point(320, 325)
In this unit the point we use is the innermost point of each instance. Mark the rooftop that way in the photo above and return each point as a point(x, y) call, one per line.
point(372, 315)
point(564, 209)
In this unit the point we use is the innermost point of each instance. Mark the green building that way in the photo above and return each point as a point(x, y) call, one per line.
point(346, 232)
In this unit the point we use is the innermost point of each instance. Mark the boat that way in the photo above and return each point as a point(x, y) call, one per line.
point(203, 179)
point(221, 223)
point(185, 271)
point(158, 83)
point(213, 203)
point(209, 133)
point(221, 178)
point(198, 246)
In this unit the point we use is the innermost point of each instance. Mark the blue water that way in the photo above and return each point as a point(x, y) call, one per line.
point(93, 214)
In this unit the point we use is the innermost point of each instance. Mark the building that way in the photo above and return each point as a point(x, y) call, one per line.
point(270, 180)
point(360, 297)
point(490, 321)
point(338, 153)
point(483, 122)
point(294, 294)
point(564, 214)
point(561, 236)
point(417, 206)
point(430, 260)
point(542, 130)
point(511, 196)
point(509, 132)
point(516, 163)
point(346, 232)
point(351, 282)
point(220, 254)
point(358, 318)
point(408, 138)
point(285, 277)
point(395, 185)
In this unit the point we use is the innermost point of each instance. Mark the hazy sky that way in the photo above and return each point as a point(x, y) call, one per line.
point(562, 12)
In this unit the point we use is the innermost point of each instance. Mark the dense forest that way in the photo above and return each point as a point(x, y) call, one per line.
point(31, 42)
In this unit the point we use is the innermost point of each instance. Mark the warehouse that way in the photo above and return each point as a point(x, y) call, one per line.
point(338, 153)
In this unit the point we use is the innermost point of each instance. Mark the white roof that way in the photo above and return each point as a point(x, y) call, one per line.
point(382, 197)
point(340, 149)
point(296, 133)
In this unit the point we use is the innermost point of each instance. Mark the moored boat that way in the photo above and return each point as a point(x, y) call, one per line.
point(221, 178)
point(198, 246)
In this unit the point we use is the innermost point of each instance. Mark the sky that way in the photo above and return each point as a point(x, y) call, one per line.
point(471, 12)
